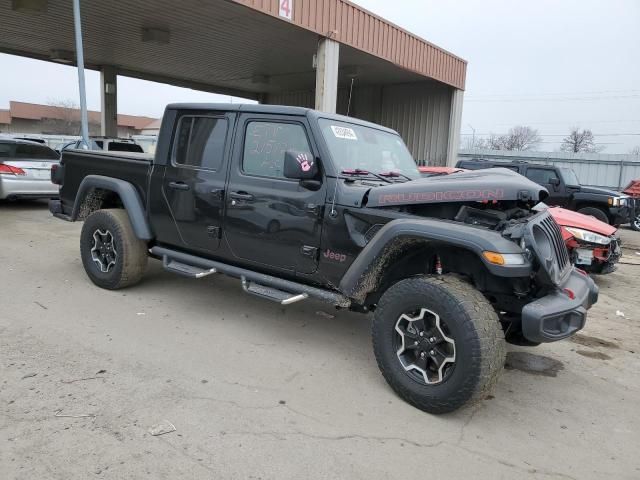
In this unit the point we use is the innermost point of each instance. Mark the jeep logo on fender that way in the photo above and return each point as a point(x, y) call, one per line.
point(452, 195)
point(338, 257)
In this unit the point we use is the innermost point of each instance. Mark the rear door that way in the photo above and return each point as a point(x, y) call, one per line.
point(193, 185)
point(272, 220)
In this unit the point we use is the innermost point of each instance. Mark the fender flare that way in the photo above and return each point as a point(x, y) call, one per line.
point(358, 281)
point(129, 196)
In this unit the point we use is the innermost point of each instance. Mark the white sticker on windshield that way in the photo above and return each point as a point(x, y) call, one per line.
point(344, 132)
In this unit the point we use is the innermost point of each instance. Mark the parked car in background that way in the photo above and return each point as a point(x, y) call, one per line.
point(25, 168)
point(633, 190)
point(593, 245)
point(565, 190)
point(108, 144)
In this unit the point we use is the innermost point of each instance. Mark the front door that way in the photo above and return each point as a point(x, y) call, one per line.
point(271, 220)
point(549, 179)
point(193, 183)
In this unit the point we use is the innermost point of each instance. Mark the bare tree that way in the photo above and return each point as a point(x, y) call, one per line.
point(579, 141)
point(518, 138)
point(64, 118)
point(476, 143)
point(635, 150)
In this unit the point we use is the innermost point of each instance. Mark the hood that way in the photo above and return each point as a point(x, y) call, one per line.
point(599, 191)
point(472, 186)
point(568, 218)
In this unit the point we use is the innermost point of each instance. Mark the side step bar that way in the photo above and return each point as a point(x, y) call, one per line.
point(184, 269)
point(267, 286)
point(270, 293)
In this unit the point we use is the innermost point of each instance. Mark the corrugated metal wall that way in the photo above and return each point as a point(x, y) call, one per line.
point(352, 25)
point(593, 169)
point(420, 112)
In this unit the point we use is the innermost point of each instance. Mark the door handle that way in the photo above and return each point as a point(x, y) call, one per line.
point(179, 186)
point(247, 197)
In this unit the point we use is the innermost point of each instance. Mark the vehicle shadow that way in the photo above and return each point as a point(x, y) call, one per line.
point(24, 204)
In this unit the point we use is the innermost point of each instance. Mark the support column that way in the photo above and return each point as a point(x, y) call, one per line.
point(327, 60)
point(455, 124)
point(109, 102)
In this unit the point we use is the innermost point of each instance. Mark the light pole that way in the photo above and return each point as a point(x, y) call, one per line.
point(84, 123)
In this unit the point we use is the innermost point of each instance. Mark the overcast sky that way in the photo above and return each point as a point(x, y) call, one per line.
point(550, 64)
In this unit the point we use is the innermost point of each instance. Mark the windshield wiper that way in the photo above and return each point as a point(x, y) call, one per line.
point(358, 172)
point(395, 175)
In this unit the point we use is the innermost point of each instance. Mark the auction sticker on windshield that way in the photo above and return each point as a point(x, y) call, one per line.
point(344, 132)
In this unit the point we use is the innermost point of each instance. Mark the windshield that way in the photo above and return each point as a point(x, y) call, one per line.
point(125, 147)
point(569, 177)
point(356, 147)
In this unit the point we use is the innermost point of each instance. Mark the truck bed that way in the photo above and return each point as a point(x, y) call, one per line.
point(135, 168)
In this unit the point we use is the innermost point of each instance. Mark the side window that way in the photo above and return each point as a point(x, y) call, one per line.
point(541, 176)
point(200, 141)
point(265, 144)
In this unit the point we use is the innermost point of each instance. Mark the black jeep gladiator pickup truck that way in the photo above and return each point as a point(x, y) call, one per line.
point(300, 204)
point(565, 191)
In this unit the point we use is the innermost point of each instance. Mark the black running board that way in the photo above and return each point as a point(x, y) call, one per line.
point(185, 270)
point(265, 286)
point(273, 294)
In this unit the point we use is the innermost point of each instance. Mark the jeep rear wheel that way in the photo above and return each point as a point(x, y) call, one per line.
point(112, 255)
point(438, 342)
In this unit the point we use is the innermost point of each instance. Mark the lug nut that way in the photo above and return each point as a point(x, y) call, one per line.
point(422, 334)
point(432, 339)
point(422, 355)
point(432, 352)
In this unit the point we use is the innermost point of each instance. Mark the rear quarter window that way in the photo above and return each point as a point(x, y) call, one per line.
point(200, 142)
point(40, 152)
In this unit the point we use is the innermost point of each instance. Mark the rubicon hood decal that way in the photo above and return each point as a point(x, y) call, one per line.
point(493, 184)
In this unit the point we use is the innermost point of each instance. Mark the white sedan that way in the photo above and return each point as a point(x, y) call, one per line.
point(25, 170)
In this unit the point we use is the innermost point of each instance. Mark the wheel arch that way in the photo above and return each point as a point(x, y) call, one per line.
point(97, 192)
point(403, 248)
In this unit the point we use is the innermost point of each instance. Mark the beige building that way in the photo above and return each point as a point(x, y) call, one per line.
point(32, 118)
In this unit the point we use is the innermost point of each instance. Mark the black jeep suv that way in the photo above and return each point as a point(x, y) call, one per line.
point(299, 204)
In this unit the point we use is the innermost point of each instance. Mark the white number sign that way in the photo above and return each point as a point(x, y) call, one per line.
point(286, 8)
point(345, 133)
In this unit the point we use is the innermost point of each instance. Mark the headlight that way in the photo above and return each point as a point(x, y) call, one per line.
point(587, 236)
point(618, 201)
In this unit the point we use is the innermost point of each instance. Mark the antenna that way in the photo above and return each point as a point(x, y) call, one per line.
point(350, 94)
point(333, 212)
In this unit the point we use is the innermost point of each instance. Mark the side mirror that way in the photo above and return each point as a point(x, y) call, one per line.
point(300, 165)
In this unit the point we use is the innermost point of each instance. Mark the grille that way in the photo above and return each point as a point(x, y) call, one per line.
point(561, 255)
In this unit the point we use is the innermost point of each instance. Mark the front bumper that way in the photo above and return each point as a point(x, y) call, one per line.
point(620, 215)
point(16, 187)
point(561, 313)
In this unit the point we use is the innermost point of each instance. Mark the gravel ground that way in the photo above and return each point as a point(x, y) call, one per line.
point(257, 391)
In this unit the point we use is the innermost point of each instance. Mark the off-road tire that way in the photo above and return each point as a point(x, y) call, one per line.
point(635, 220)
point(473, 324)
point(595, 212)
point(131, 261)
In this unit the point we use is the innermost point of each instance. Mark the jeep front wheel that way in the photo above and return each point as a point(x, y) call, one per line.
point(438, 342)
point(112, 255)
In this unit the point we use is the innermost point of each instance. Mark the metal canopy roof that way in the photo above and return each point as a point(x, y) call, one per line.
point(239, 47)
